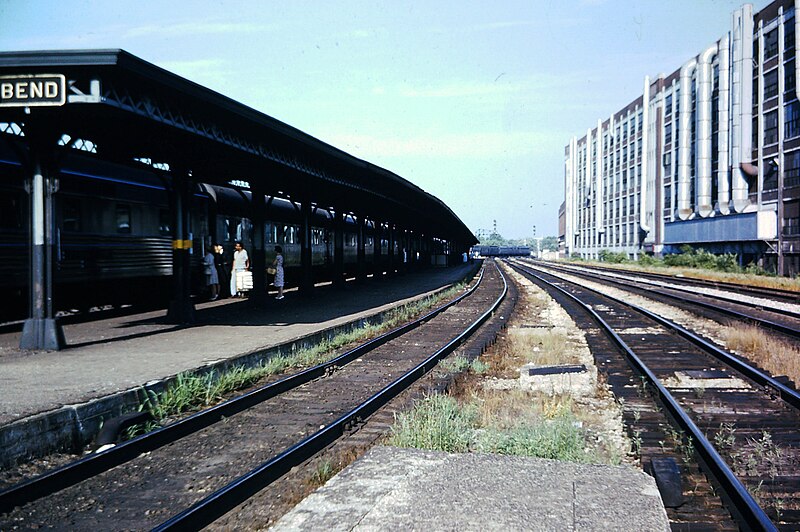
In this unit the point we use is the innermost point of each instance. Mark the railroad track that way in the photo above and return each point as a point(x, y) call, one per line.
point(775, 294)
point(188, 474)
point(721, 309)
point(685, 403)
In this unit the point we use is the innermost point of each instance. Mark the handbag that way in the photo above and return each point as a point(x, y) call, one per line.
point(272, 271)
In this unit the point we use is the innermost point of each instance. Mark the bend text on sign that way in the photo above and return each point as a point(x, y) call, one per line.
point(32, 90)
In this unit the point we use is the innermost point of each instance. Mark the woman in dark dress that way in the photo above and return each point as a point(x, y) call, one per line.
point(222, 271)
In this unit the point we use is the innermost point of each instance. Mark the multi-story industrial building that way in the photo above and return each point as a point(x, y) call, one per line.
point(707, 156)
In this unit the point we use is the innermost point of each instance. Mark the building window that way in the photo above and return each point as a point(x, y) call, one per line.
point(123, 218)
point(668, 105)
point(791, 172)
point(792, 116)
point(770, 178)
point(668, 197)
point(771, 128)
point(789, 77)
point(791, 227)
point(754, 134)
point(755, 91)
point(788, 34)
point(771, 44)
point(771, 84)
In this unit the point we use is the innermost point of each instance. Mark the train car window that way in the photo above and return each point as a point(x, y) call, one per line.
point(71, 215)
point(226, 230)
point(243, 230)
point(369, 242)
point(164, 223)
point(291, 234)
point(11, 211)
point(123, 218)
point(317, 236)
point(271, 233)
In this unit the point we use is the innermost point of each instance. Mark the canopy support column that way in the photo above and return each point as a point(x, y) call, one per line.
point(181, 308)
point(391, 236)
point(361, 267)
point(338, 250)
point(41, 331)
point(377, 238)
point(258, 255)
point(306, 254)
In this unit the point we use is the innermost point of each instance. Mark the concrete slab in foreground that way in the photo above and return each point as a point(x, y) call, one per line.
point(409, 489)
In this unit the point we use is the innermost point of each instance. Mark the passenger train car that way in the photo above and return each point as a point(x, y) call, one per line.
point(113, 234)
point(501, 251)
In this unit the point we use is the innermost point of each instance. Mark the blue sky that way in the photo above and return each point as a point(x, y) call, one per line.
point(472, 101)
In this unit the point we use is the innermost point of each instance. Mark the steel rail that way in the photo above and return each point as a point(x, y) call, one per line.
point(787, 296)
point(228, 497)
point(772, 325)
point(94, 464)
point(767, 324)
point(749, 513)
point(792, 397)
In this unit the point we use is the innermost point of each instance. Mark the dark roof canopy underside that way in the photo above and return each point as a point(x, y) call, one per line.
point(143, 111)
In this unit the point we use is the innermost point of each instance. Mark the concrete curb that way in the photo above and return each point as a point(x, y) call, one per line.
point(72, 427)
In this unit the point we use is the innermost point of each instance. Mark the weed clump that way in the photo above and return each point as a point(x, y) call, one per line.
point(440, 423)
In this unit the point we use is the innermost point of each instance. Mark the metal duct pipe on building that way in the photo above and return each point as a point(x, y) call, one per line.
point(587, 213)
point(796, 38)
point(723, 160)
point(645, 136)
point(742, 106)
point(685, 140)
point(572, 196)
point(599, 183)
point(703, 151)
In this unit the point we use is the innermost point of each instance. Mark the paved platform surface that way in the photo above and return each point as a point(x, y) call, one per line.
point(405, 489)
point(112, 355)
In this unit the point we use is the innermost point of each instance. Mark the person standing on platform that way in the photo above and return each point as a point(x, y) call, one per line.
point(222, 271)
point(241, 263)
point(210, 271)
point(278, 265)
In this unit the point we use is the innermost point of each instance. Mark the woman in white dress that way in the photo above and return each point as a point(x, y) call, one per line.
point(241, 262)
point(278, 265)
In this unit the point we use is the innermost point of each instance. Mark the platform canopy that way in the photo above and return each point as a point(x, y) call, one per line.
point(130, 110)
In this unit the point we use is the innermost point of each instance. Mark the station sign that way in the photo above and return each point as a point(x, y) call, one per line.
point(33, 90)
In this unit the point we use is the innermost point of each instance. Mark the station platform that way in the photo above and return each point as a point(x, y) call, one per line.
point(43, 393)
point(409, 489)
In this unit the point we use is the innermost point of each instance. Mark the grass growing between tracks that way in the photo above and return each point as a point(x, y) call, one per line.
point(442, 423)
point(775, 356)
point(487, 409)
point(190, 391)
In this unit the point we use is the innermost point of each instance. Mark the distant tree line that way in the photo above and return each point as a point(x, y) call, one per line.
point(687, 258)
point(547, 243)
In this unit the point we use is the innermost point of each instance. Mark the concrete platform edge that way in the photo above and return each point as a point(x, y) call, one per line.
point(71, 427)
